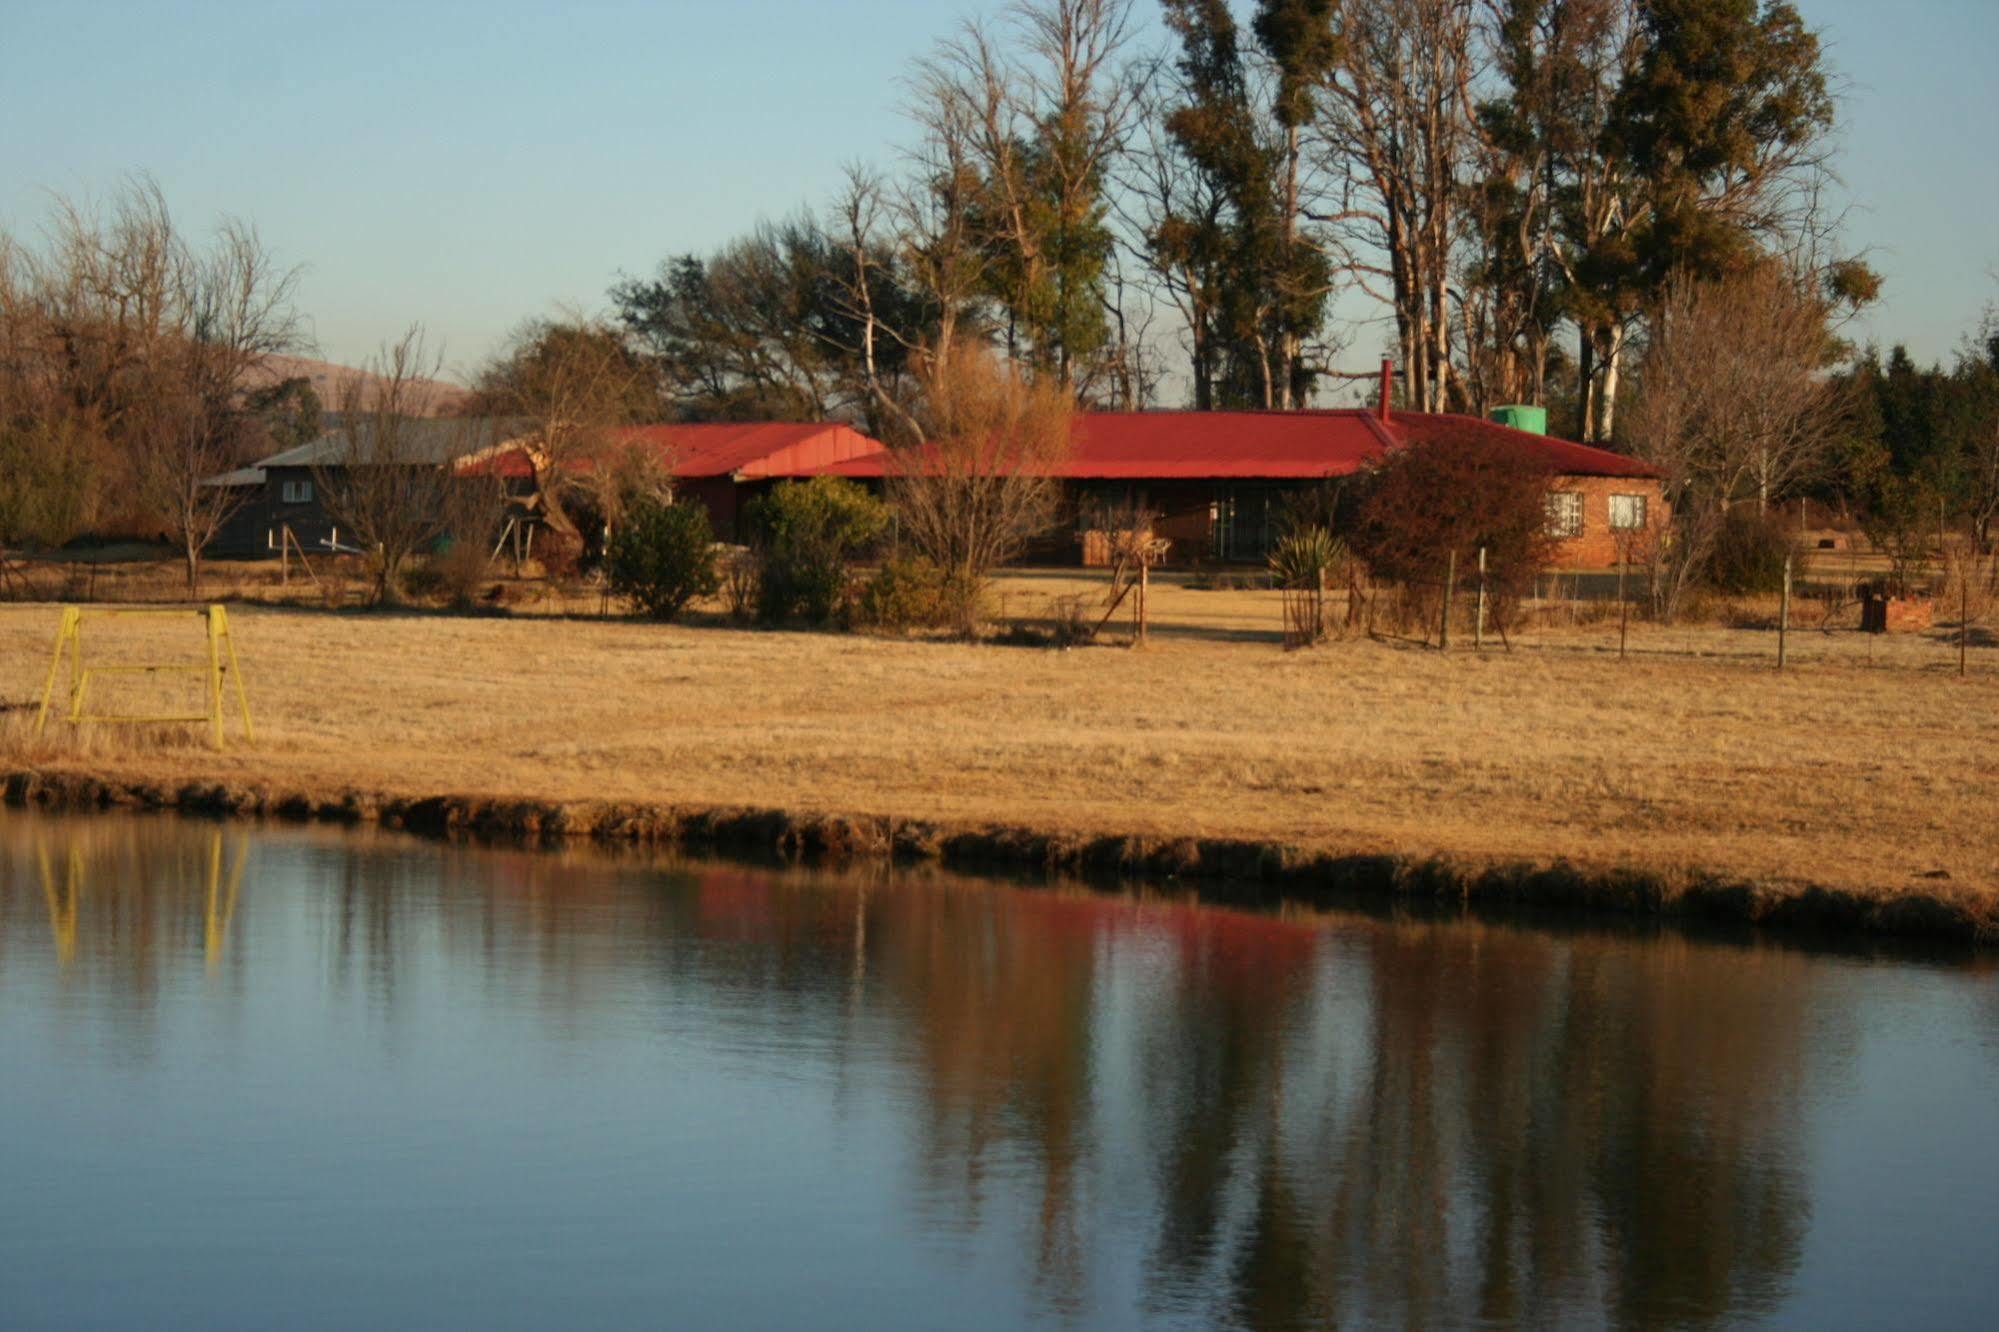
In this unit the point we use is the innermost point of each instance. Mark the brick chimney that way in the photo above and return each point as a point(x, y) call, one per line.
point(1387, 387)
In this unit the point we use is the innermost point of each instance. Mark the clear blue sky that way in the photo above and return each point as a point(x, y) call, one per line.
point(467, 165)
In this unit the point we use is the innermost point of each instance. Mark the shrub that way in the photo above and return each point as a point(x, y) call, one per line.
point(1328, 504)
point(423, 581)
point(1430, 501)
point(808, 532)
point(1072, 621)
point(905, 593)
point(1749, 553)
point(1901, 523)
point(662, 558)
point(742, 575)
point(1309, 557)
point(461, 568)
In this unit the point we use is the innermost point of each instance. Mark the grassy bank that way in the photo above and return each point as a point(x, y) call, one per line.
point(1681, 769)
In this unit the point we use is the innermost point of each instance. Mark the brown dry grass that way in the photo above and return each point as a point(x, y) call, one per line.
point(1867, 766)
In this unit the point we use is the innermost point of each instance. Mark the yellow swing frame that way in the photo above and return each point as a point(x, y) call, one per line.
point(221, 659)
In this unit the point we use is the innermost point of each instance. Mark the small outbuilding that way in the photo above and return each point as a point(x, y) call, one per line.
point(283, 491)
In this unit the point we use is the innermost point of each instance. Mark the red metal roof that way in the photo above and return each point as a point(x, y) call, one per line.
point(749, 450)
point(1131, 445)
point(1277, 445)
point(1563, 457)
point(752, 450)
point(1114, 446)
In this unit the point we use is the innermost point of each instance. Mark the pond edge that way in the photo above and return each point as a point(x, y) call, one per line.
point(1943, 912)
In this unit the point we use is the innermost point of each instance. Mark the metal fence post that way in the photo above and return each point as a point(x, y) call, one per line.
point(1478, 620)
point(1784, 614)
point(1450, 581)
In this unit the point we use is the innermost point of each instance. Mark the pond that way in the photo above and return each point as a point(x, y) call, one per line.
point(260, 1076)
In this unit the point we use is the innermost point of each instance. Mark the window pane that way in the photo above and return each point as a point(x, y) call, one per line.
point(1565, 513)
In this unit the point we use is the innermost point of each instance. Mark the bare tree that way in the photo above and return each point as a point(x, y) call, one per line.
point(566, 384)
point(981, 480)
point(890, 243)
point(388, 477)
point(1735, 403)
point(1397, 122)
point(1177, 214)
point(236, 309)
point(130, 350)
point(1032, 115)
point(1131, 371)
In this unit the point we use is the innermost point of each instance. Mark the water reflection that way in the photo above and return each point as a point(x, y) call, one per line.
point(139, 890)
point(1153, 1107)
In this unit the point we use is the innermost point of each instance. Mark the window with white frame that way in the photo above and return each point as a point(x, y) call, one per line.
point(1627, 513)
point(298, 492)
point(1565, 513)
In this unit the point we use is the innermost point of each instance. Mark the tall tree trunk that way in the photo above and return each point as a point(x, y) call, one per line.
point(1613, 362)
point(1586, 382)
point(1289, 349)
point(1203, 358)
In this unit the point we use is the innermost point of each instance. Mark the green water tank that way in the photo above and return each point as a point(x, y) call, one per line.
point(1534, 420)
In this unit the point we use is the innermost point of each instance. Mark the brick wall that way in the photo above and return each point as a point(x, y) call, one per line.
point(1597, 546)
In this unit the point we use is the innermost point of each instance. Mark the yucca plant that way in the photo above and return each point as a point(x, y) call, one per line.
point(1307, 556)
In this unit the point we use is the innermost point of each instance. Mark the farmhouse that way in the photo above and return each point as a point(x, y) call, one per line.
point(1217, 481)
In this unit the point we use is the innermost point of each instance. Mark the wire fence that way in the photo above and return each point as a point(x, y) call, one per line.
point(1953, 617)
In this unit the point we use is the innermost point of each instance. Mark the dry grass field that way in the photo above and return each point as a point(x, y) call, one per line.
point(1869, 764)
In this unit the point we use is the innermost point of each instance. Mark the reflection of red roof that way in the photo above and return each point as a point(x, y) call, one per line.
point(1277, 445)
point(748, 450)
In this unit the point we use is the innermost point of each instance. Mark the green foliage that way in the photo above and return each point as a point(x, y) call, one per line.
point(1901, 520)
point(1724, 89)
point(907, 592)
point(1262, 289)
point(289, 411)
point(1749, 553)
point(809, 531)
point(763, 330)
point(1924, 442)
point(662, 558)
point(566, 376)
point(1308, 557)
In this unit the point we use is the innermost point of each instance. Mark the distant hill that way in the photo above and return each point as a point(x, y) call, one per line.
point(435, 397)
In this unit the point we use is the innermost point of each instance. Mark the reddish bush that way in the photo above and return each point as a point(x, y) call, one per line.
point(1429, 501)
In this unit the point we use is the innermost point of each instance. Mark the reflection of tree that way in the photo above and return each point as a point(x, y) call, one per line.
point(1537, 1128)
point(1694, 1164)
point(1308, 1121)
point(1212, 1079)
point(996, 989)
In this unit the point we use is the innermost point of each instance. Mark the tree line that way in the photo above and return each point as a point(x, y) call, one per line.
point(1513, 185)
point(133, 368)
point(1612, 208)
